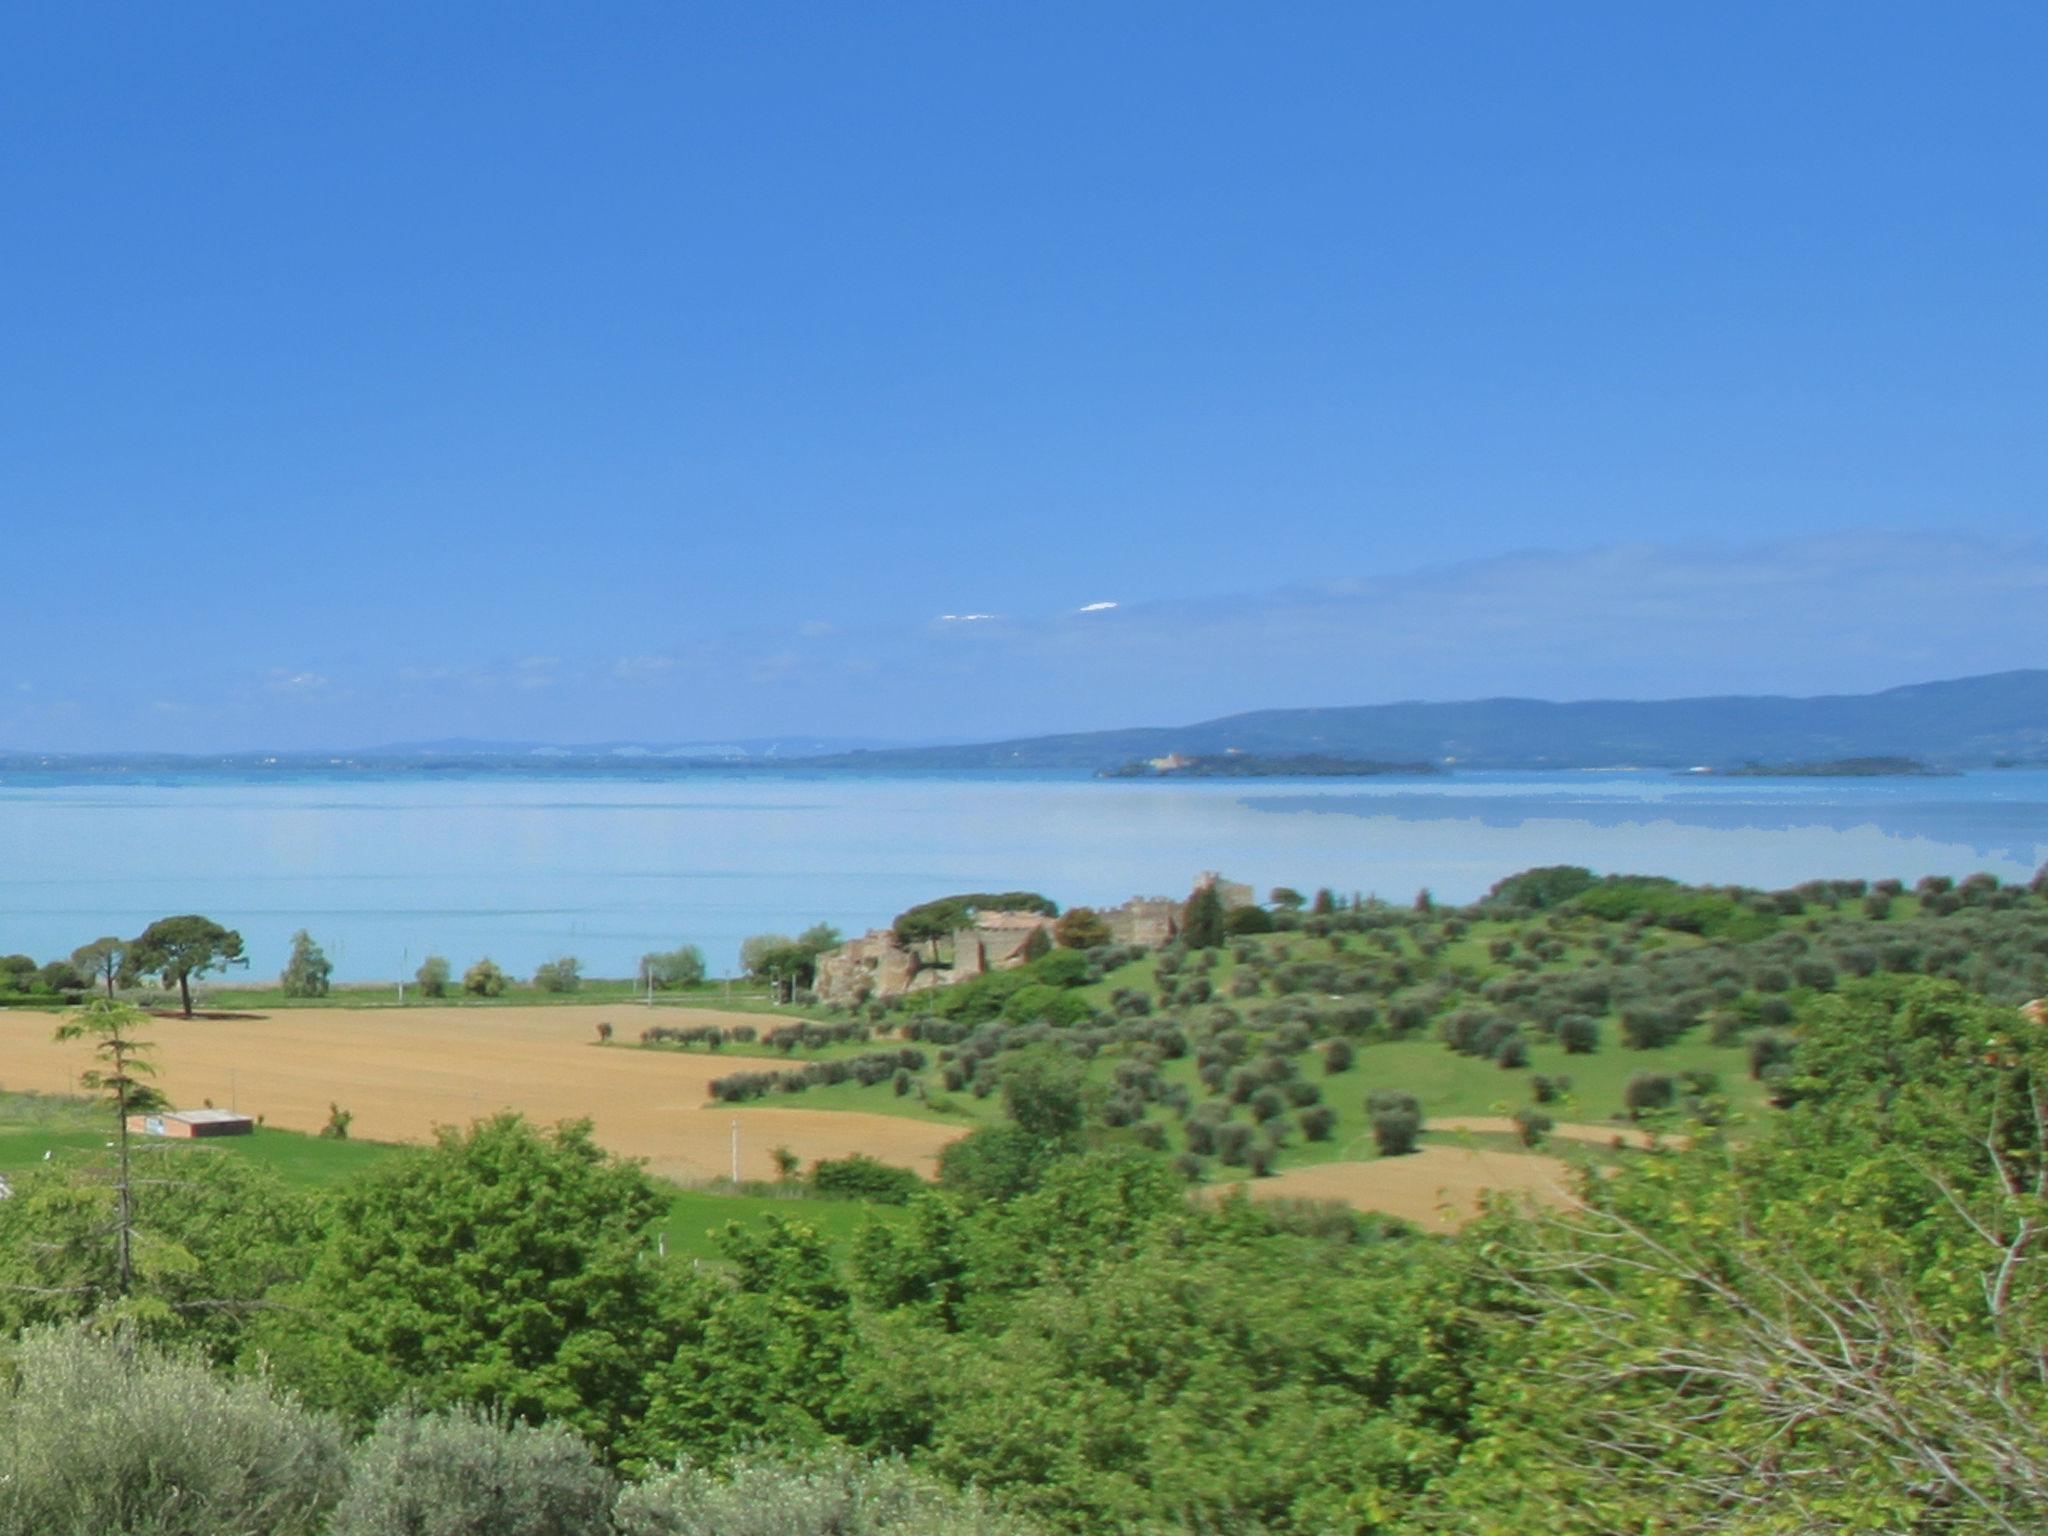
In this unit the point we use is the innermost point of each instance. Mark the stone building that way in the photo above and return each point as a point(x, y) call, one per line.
point(876, 965)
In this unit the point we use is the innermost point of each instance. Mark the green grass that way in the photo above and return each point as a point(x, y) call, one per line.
point(695, 1215)
point(70, 1129)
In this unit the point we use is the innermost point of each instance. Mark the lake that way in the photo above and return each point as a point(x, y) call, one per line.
point(384, 869)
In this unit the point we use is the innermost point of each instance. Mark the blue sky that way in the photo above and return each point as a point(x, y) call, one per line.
point(374, 373)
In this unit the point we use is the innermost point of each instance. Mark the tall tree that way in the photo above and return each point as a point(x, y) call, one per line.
point(1201, 919)
point(306, 972)
point(103, 959)
point(111, 1027)
point(180, 948)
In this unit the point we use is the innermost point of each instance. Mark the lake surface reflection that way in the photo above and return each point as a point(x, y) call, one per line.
point(383, 870)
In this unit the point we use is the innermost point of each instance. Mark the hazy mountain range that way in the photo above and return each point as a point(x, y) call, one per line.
point(1973, 721)
point(2001, 718)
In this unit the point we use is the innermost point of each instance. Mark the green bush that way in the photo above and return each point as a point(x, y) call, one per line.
point(861, 1177)
point(563, 974)
point(1648, 1091)
point(826, 1494)
point(1579, 1034)
point(465, 1473)
point(103, 1435)
point(1396, 1121)
point(484, 979)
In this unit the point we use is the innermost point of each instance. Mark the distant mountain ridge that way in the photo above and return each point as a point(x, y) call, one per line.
point(1966, 722)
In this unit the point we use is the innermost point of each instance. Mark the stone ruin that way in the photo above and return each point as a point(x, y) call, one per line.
point(878, 966)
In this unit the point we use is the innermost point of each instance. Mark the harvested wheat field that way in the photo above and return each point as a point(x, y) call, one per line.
point(1434, 1187)
point(403, 1071)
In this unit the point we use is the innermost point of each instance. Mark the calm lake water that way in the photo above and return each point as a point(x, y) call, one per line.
point(384, 870)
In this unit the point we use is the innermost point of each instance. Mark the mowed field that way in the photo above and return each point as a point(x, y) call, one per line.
point(403, 1071)
point(1436, 1186)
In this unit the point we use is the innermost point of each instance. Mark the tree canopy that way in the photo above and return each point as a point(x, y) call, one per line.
point(181, 948)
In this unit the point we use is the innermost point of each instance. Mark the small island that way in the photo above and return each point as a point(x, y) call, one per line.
point(1247, 765)
point(1839, 768)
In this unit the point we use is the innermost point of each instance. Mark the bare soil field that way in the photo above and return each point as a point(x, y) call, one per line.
point(1436, 1187)
point(403, 1071)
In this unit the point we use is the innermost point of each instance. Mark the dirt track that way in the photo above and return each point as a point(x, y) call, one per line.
point(404, 1071)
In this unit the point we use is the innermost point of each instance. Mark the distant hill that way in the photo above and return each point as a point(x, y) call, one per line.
point(1969, 722)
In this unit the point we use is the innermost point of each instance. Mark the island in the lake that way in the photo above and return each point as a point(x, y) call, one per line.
point(1838, 768)
point(1246, 765)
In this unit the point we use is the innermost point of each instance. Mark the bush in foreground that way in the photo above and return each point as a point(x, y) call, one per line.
point(463, 1473)
point(103, 1434)
point(821, 1495)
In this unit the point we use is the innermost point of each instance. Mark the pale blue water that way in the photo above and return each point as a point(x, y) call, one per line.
point(384, 869)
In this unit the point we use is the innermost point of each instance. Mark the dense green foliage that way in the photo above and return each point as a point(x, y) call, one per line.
point(1824, 1308)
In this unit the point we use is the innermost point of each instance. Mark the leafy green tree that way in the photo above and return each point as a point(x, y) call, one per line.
point(181, 948)
point(1045, 1094)
point(674, 969)
point(765, 1352)
point(432, 976)
point(212, 1237)
point(120, 1082)
point(503, 1266)
point(1396, 1121)
point(1202, 919)
point(562, 974)
point(1081, 928)
point(1286, 898)
point(62, 977)
point(307, 971)
point(1325, 902)
point(18, 973)
point(105, 960)
point(485, 979)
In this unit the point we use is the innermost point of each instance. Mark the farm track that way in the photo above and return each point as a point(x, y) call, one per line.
point(403, 1071)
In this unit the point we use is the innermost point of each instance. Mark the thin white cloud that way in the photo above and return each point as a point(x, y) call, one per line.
point(965, 618)
point(282, 680)
point(1095, 607)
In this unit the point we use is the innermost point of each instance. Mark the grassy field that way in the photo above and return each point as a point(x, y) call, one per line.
point(72, 1131)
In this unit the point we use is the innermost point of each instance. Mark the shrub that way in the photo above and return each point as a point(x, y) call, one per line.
point(1318, 1123)
point(770, 1494)
point(1548, 1090)
point(1268, 1104)
point(1767, 1051)
point(1338, 1055)
point(1396, 1121)
point(562, 974)
point(1512, 1053)
point(484, 979)
point(1579, 1034)
point(1532, 1125)
point(861, 1177)
point(462, 1471)
point(432, 976)
point(101, 1434)
point(1233, 1143)
point(669, 970)
point(1396, 1130)
point(1648, 1091)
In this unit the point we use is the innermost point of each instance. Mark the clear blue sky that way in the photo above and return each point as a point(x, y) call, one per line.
point(381, 372)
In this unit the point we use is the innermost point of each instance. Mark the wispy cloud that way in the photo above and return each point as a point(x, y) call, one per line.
point(1095, 607)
